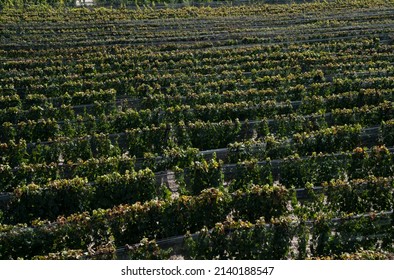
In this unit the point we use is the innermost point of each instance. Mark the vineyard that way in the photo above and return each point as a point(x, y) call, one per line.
point(245, 130)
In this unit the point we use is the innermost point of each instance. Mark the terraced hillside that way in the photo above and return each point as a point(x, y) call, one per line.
point(248, 131)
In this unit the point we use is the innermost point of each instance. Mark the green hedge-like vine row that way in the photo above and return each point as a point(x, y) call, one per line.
point(388, 132)
point(360, 195)
point(128, 224)
point(291, 171)
point(202, 135)
point(159, 219)
point(245, 240)
point(249, 241)
point(229, 101)
point(319, 168)
point(64, 197)
point(49, 201)
point(157, 139)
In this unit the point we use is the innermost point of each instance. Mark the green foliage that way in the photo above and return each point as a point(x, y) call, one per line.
point(129, 188)
point(361, 195)
point(250, 172)
point(350, 235)
point(64, 197)
point(388, 132)
point(316, 169)
point(261, 201)
point(127, 224)
point(361, 254)
point(243, 240)
point(337, 138)
point(147, 250)
point(51, 200)
point(205, 174)
point(89, 111)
